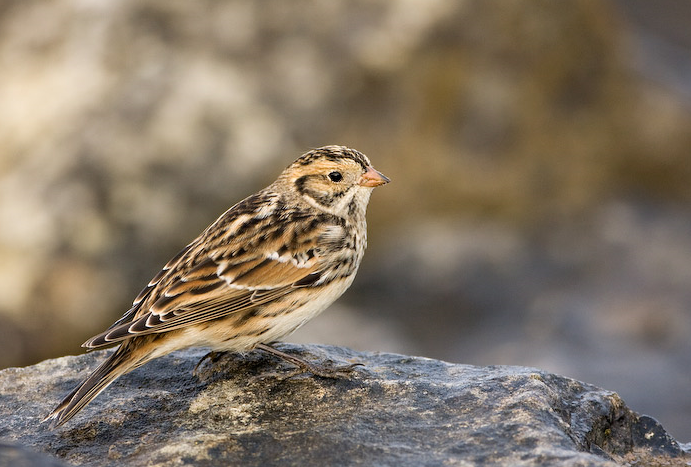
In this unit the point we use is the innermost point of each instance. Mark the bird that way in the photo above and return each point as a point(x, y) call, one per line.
point(265, 267)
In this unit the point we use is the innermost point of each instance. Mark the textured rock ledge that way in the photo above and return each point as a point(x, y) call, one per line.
point(397, 410)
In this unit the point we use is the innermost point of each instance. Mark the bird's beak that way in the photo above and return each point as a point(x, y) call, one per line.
point(373, 178)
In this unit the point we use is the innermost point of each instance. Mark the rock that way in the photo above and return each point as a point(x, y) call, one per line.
point(12, 455)
point(396, 410)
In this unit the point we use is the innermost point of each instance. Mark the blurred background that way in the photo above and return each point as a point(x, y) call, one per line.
point(540, 210)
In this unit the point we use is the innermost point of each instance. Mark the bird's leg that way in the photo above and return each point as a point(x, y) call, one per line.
point(307, 367)
point(212, 356)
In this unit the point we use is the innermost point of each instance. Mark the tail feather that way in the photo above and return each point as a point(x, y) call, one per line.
point(119, 363)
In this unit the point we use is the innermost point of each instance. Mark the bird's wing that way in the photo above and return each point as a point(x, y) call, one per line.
point(211, 290)
point(201, 284)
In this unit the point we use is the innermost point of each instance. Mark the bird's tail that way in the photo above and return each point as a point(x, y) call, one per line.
point(122, 361)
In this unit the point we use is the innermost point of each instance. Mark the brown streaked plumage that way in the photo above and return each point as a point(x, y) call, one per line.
point(260, 271)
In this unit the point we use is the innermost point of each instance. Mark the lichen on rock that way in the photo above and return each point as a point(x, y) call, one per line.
point(396, 410)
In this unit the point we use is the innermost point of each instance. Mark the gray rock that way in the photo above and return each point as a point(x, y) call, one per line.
point(396, 410)
point(12, 455)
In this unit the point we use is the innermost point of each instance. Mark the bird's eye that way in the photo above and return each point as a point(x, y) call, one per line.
point(335, 176)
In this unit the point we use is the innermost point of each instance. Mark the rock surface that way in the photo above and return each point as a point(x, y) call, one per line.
point(12, 455)
point(396, 410)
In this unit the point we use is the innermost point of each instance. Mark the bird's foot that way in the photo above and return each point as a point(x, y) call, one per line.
point(213, 357)
point(304, 366)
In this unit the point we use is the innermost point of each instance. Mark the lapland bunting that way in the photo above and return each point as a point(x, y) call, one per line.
point(264, 268)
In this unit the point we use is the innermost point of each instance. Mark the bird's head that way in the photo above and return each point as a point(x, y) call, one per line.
point(334, 179)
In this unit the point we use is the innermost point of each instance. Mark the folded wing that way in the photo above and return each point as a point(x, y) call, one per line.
point(210, 290)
